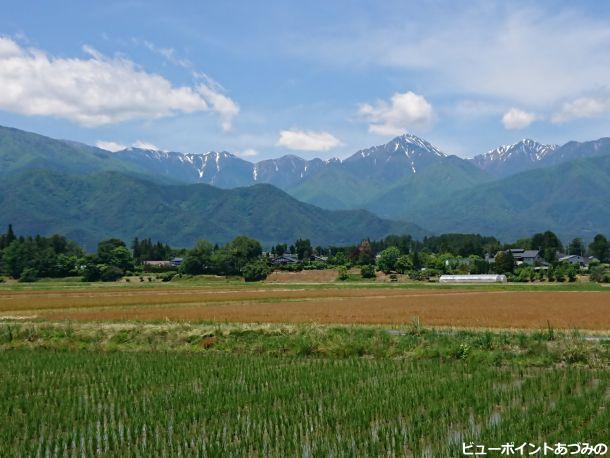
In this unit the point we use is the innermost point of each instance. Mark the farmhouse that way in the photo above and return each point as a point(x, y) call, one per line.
point(284, 259)
point(315, 257)
point(174, 262)
point(576, 260)
point(157, 263)
point(521, 256)
point(491, 278)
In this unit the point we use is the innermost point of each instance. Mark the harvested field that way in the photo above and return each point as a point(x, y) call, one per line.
point(433, 307)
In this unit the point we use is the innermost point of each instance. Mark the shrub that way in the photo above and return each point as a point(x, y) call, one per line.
point(597, 273)
point(168, 276)
point(522, 275)
point(430, 274)
point(315, 265)
point(388, 258)
point(111, 273)
point(461, 352)
point(416, 275)
point(255, 271)
point(575, 354)
point(92, 272)
point(560, 271)
point(297, 267)
point(28, 275)
point(572, 273)
point(343, 274)
point(403, 264)
point(367, 271)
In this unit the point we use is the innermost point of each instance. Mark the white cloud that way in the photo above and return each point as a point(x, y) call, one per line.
point(249, 152)
point(145, 145)
point(515, 119)
point(470, 109)
point(404, 112)
point(97, 90)
point(168, 53)
point(110, 146)
point(522, 53)
point(221, 104)
point(307, 140)
point(584, 107)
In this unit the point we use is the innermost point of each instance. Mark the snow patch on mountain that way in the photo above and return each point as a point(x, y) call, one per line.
point(520, 156)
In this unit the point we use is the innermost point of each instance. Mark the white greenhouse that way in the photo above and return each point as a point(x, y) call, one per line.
point(492, 278)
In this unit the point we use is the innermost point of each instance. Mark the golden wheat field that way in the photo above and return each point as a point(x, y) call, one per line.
point(469, 308)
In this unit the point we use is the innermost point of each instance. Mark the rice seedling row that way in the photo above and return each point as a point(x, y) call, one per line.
point(176, 404)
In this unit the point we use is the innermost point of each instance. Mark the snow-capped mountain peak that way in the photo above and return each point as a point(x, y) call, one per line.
point(508, 159)
point(402, 156)
point(525, 148)
point(408, 141)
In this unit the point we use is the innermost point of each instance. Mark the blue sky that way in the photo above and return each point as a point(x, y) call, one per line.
point(310, 78)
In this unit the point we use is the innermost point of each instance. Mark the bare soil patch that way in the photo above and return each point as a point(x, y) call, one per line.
point(305, 276)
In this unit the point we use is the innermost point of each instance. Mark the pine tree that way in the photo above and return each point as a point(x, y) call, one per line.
point(10, 235)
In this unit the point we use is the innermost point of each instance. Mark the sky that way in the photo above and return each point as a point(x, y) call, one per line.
point(315, 79)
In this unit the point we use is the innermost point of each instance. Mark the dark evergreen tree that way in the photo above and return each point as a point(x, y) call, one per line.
point(600, 248)
point(303, 248)
point(576, 246)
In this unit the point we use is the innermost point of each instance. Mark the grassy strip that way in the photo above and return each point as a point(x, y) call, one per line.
point(544, 348)
point(205, 281)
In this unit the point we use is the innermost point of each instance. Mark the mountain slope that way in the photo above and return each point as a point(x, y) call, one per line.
point(221, 169)
point(20, 150)
point(89, 208)
point(578, 150)
point(399, 158)
point(390, 179)
point(420, 190)
point(510, 159)
point(528, 155)
point(572, 199)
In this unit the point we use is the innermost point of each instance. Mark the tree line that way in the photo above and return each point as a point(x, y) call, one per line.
point(29, 258)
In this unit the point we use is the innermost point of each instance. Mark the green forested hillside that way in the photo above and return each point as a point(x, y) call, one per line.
point(339, 188)
point(418, 192)
point(20, 150)
point(572, 199)
point(89, 208)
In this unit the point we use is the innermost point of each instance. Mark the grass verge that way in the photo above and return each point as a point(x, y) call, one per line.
point(541, 348)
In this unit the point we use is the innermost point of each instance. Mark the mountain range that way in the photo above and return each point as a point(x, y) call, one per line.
point(112, 204)
point(511, 191)
point(528, 154)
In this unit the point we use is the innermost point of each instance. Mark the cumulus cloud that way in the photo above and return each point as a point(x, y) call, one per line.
point(307, 140)
point(404, 112)
point(249, 152)
point(97, 90)
point(584, 107)
point(515, 119)
point(110, 146)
